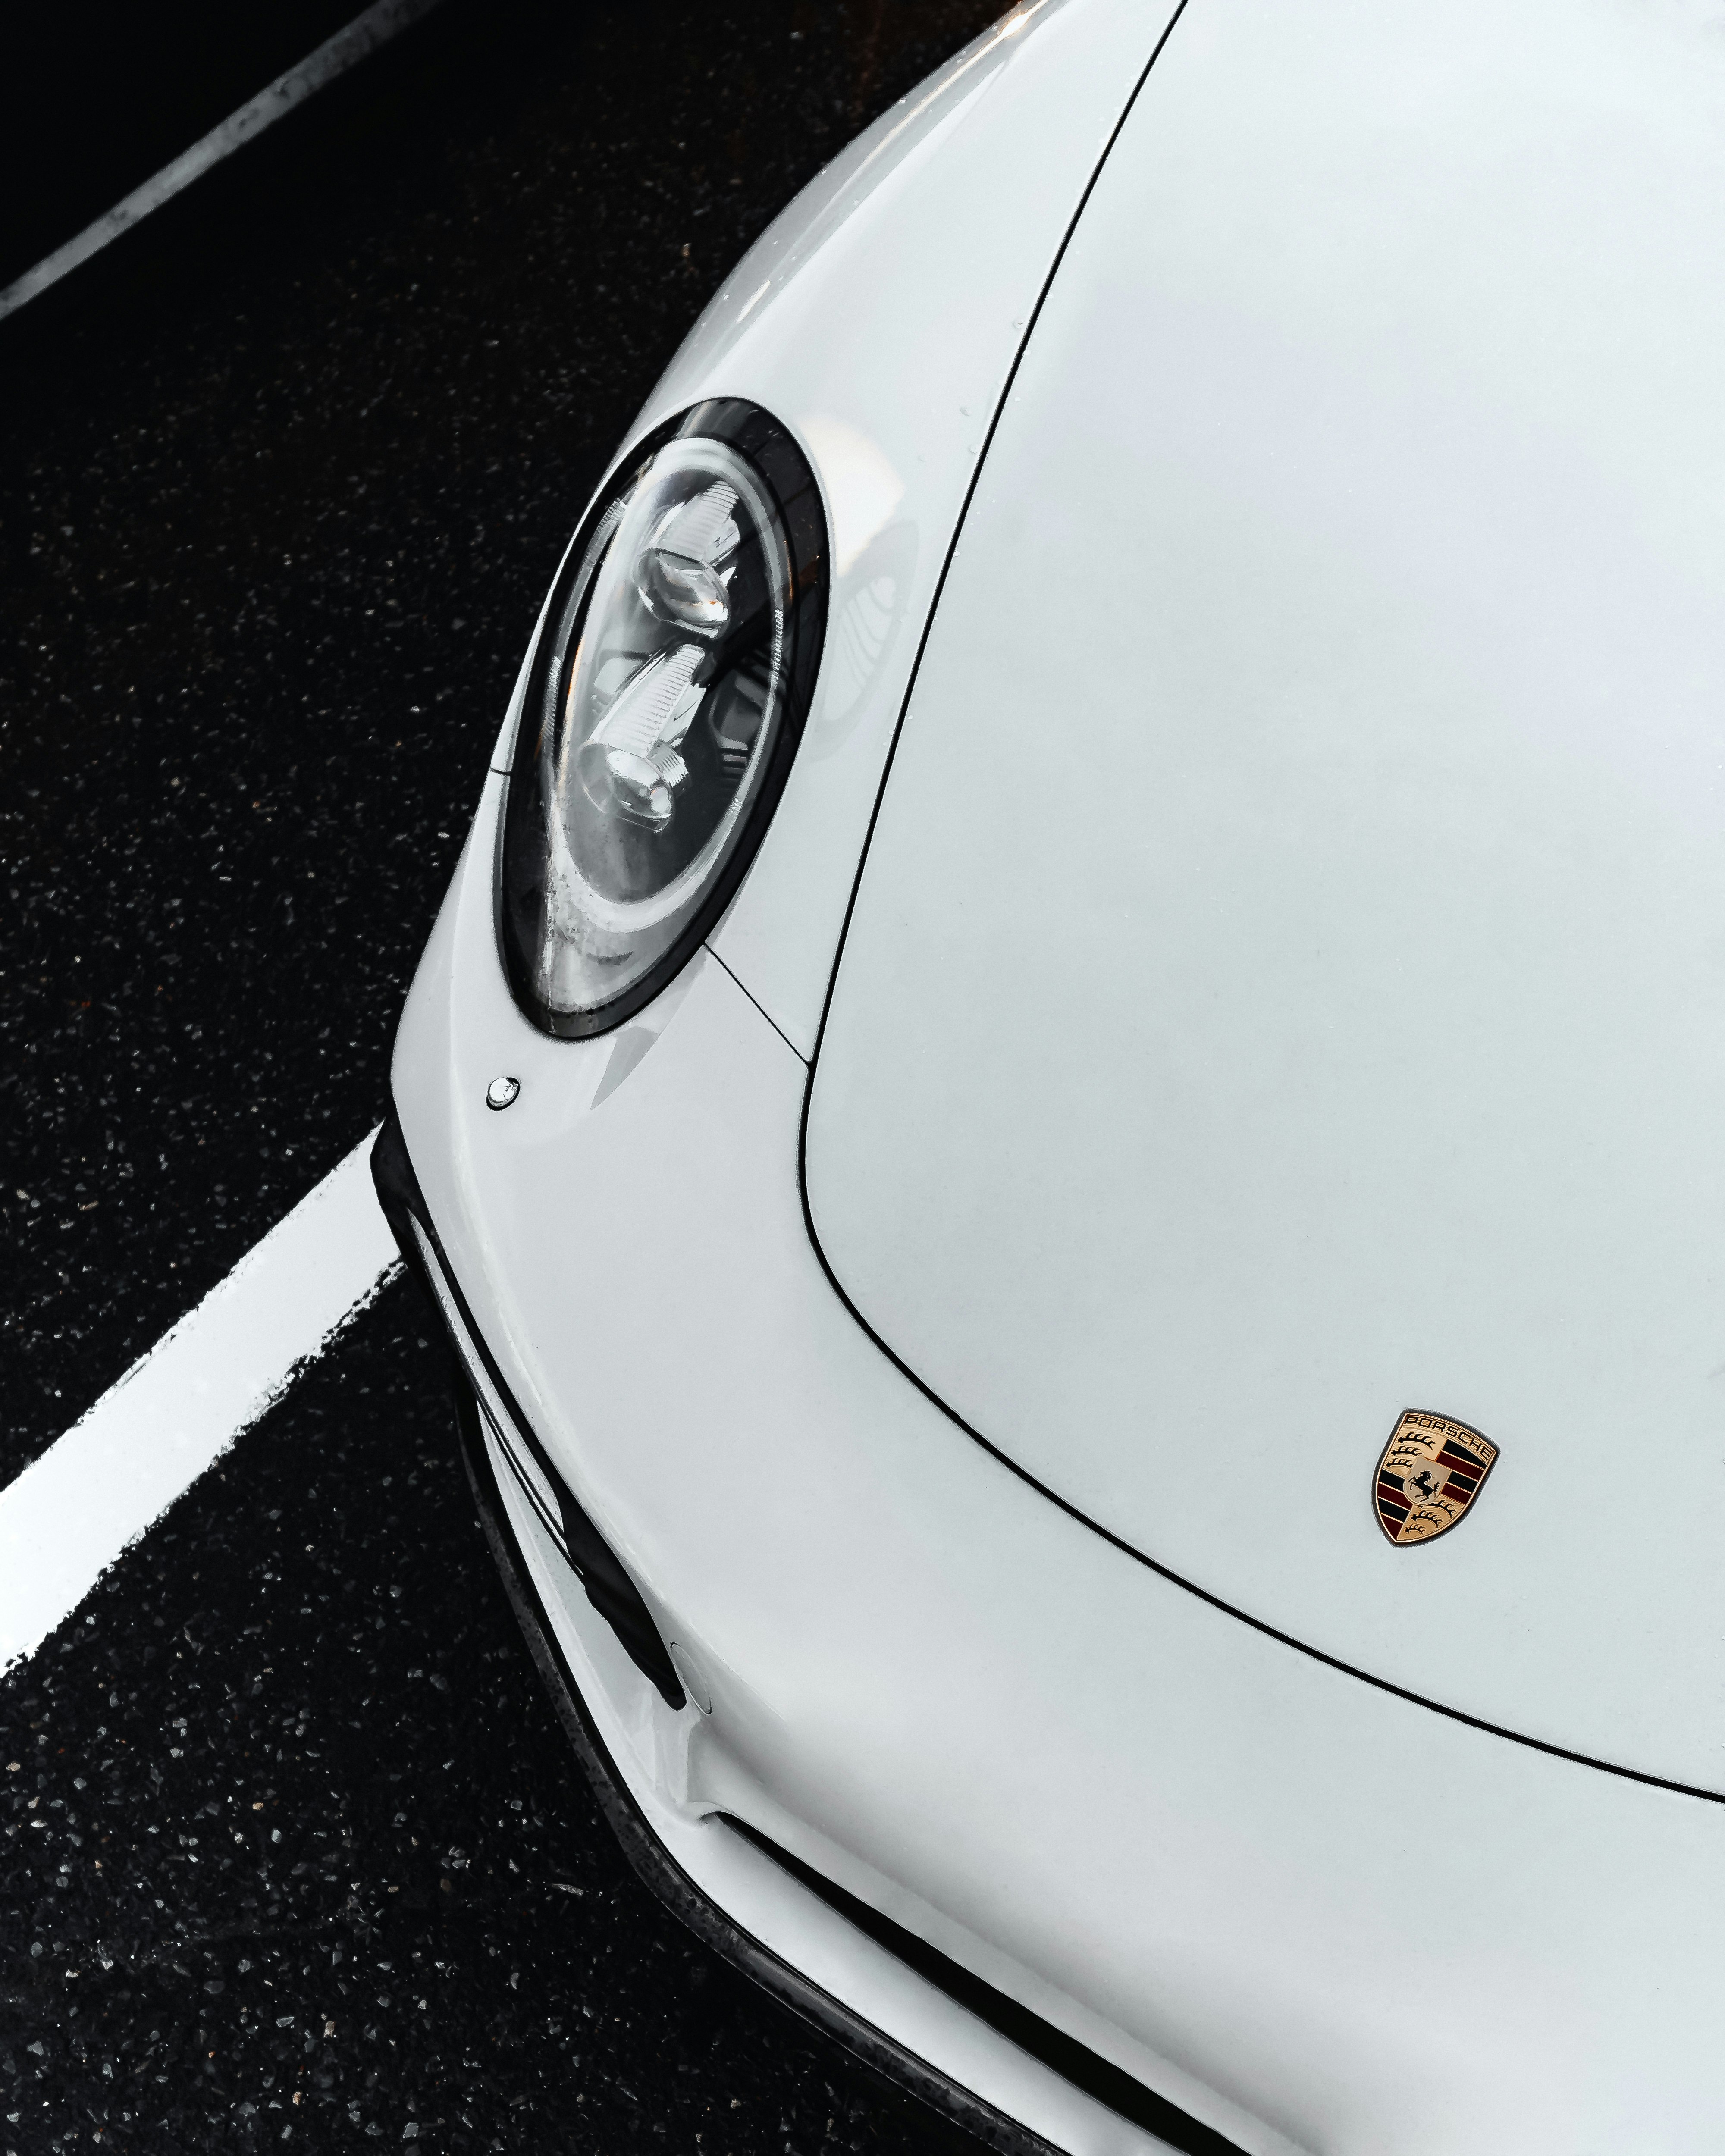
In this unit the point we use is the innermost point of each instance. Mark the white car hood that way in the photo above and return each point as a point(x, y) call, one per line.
point(1287, 984)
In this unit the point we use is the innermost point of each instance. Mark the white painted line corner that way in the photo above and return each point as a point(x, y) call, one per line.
point(76, 1509)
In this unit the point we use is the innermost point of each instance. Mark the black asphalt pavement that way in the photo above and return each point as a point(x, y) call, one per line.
point(283, 477)
point(96, 96)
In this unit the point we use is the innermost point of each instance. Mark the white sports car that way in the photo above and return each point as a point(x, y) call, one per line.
point(1085, 1009)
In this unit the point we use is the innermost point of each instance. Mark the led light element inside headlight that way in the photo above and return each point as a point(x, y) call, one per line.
point(663, 708)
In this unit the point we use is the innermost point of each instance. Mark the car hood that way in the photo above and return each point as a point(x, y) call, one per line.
point(1286, 983)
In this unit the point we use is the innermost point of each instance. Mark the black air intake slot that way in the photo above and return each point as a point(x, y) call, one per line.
point(1075, 2062)
point(483, 1399)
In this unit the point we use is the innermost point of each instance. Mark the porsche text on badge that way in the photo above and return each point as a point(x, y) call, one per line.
point(1428, 1474)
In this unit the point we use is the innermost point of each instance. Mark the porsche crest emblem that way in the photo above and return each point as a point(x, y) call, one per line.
point(1428, 1474)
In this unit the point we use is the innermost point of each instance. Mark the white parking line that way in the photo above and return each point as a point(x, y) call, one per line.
point(334, 57)
point(75, 1510)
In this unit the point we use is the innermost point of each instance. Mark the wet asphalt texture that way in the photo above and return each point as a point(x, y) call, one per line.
point(283, 478)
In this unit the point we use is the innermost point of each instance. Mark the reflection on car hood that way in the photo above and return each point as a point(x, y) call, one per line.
point(1287, 982)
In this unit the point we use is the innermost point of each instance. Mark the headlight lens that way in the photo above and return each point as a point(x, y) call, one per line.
point(663, 708)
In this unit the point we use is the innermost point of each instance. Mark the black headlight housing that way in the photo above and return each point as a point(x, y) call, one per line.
point(667, 694)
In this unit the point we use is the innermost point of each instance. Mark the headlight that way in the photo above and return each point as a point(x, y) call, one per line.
point(663, 707)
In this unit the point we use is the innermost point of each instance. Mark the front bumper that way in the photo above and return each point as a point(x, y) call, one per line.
point(1305, 1912)
point(549, 1555)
